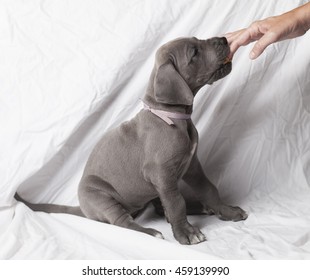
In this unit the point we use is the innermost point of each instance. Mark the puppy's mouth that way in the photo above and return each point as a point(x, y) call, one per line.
point(224, 69)
point(226, 60)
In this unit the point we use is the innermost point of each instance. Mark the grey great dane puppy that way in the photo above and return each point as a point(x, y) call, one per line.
point(144, 159)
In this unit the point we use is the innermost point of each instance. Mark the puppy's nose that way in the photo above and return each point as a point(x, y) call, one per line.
point(223, 41)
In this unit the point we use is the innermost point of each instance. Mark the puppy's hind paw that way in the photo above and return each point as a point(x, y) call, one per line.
point(154, 233)
point(159, 235)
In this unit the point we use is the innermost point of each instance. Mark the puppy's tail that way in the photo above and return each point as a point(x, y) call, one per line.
point(51, 208)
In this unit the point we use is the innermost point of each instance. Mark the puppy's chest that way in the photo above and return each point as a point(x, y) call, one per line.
point(193, 144)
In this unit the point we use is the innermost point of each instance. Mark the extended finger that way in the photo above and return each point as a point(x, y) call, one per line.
point(241, 39)
point(262, 44)
point(231, 36)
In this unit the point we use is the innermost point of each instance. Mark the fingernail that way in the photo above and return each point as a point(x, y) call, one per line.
point(252, 55)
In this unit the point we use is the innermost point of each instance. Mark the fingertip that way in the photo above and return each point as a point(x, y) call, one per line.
point(262, 44)
point(256, 51)
point(232, 53)
point(230, 56)
point(252, 55)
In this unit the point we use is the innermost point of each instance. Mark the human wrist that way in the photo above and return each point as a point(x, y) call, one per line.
point(303, 16)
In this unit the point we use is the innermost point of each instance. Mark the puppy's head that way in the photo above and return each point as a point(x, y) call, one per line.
point(184, 65)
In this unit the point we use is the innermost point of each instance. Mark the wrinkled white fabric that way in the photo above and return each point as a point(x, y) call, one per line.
point(70, 70)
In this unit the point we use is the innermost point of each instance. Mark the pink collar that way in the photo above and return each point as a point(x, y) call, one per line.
point(167, 116)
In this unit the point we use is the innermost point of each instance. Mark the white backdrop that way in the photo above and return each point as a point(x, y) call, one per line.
point(70, 70)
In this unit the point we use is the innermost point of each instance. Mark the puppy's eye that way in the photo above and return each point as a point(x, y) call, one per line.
point(195, 52)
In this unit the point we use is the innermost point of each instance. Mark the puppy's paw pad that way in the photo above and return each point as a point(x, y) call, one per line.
point(231, 213)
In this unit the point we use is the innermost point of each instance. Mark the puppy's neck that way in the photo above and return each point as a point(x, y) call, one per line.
point(150, 100)
point(147, 99)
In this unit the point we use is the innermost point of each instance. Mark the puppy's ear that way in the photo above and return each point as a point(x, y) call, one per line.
point(170, 87)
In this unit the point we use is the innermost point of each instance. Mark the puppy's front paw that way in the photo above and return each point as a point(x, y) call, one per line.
point(188, 235)
point(231, 213)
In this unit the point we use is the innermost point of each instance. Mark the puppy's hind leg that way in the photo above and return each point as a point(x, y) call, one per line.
point(98, 204)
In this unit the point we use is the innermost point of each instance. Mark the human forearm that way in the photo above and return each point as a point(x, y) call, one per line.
point(302, 14)
point(270, 30)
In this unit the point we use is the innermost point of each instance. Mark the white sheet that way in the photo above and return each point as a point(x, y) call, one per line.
point(71, 70)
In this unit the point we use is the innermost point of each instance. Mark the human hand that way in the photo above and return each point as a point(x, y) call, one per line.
point(270, 30)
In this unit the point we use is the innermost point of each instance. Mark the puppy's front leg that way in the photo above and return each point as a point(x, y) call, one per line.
point(175, 211)
point(208, 194)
